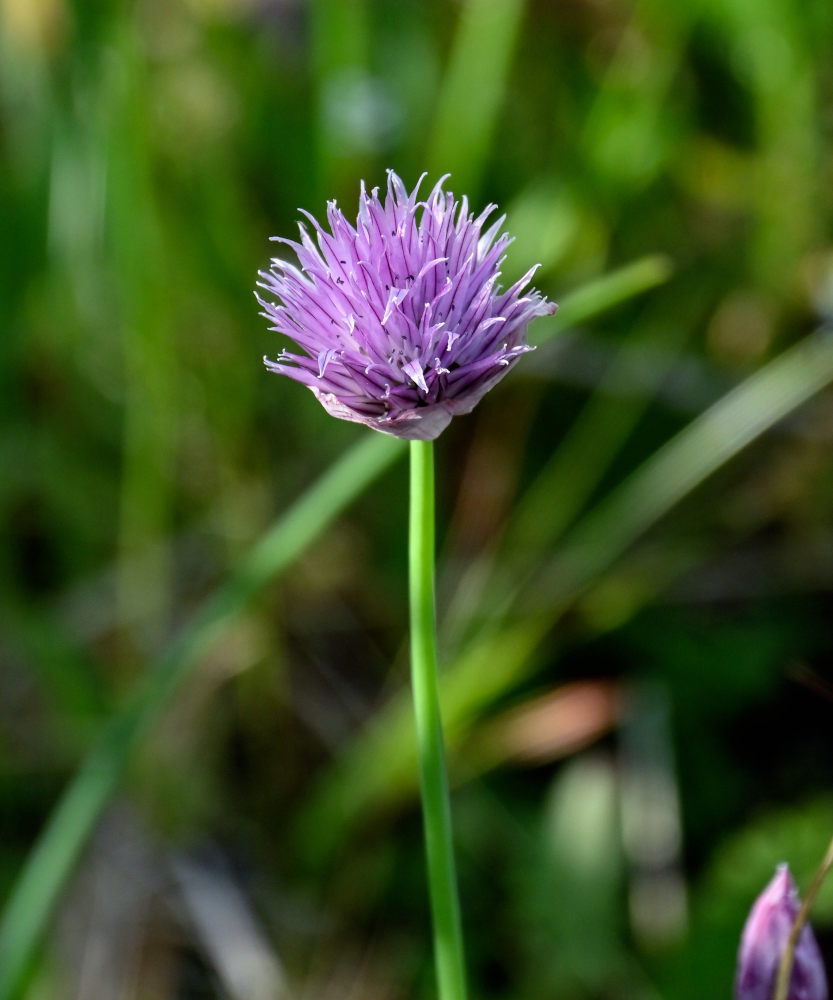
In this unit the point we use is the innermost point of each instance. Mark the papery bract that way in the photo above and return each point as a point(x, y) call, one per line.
point(400, 318)
point(764, 939)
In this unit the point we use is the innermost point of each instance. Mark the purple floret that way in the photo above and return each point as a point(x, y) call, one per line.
point(400, 320)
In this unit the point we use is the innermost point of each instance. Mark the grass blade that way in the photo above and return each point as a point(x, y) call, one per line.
point(605, 292)
point(689, 458)
point(51, 861)
point(470, 98)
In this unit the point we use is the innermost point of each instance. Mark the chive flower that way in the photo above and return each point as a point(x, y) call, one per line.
point(400, 320)
point(765, 937)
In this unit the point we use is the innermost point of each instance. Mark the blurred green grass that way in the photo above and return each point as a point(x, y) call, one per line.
point(670, 166)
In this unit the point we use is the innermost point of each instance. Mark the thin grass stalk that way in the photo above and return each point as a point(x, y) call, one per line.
point(785, 967)
point(50, 863)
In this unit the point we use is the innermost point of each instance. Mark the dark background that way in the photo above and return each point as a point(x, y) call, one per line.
point(640, 694)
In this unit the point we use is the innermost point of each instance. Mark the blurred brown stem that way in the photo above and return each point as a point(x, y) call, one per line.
point(785, 967)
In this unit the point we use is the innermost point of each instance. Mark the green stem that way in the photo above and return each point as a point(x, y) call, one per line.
point(436, 810)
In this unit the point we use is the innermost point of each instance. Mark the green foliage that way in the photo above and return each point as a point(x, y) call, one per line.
point(645, 502)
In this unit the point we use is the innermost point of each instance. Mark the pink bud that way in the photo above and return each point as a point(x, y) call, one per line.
point(764, 939)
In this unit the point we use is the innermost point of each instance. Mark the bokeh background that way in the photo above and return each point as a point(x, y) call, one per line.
point(213, 750)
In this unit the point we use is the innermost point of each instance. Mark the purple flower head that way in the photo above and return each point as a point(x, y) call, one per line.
point(764, 939)
point(400, 321)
